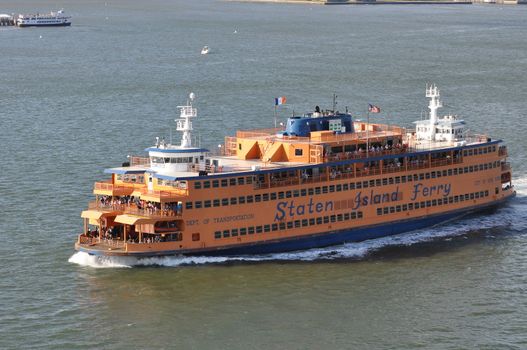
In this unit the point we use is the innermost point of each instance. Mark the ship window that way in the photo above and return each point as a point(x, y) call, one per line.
point(477, 195)
point(258, 198)
point(206, 184)
point(232, 181)
point(332, 188)
point(345, 187)
point(248, 180)
point(471, 196)
point(303, 192)
point(353, 215)
point(311, 221)
point(289, 224)
point(339, 188)
point(390, 180)
point(317, 190)
point(397, 180)
point(215, 183)
point(216, 203)
point(384, 181)
point(217, 234)
point(296, 193)
point(282, 225)
point(224, 183)
point(241, 180)
point(226, 234)
point(234, 200)
point(234, 232)
point(274, 227)
point(249, 199)
point(359, 215)
point(427, 176)
point(207, 204)
point(433, 174)
point(224, 201)
point(405, 207)
point(379, 211)
point(440, 201)
point(410, 206)
point(241, 200)
point(265, 197)
point(310, 191)
point(417, 206)
point(385, 210)
point(297, 223)
point(352, 185)
point(470, 169)
point(298, 152)
point(243, 231)
point(273, 196)
point(333, 218)
point(197, 185)
point(281, 195)
point(319, 220)
point(365, 184)
point(198, 204)
point(398, 208)
point(188, 205)
point(434, 202)
point(324, 189)
point(195, 237)
point(326, 219)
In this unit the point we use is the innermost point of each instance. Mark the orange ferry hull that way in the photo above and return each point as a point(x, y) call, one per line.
point(321, 240)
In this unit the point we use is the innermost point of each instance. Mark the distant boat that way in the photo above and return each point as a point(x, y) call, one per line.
point(205, 50)
point(51, 19)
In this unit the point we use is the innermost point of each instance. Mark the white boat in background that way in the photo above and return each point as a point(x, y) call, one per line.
point(44, 20)
point(205, 50)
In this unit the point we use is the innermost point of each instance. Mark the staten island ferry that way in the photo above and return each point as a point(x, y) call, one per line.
point(323, 179)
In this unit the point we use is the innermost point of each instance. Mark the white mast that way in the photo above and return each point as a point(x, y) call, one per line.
point(433, 93)
point(184, 124)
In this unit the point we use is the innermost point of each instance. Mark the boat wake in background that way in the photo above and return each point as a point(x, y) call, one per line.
point(511, 217)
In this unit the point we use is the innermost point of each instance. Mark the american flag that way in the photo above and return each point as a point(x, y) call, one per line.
point(373, 109)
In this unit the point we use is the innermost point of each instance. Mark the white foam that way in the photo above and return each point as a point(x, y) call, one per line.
point(513, 216)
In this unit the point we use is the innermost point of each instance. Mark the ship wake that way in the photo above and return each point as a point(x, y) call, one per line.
point(510, 218)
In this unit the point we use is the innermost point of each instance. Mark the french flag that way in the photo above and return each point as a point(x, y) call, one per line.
point(374, 109)
point(279, 101)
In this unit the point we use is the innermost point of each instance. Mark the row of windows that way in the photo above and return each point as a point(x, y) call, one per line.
point(398, 179)
point(480, 150)
point(131, 178)
point(431, 203)
point(289, 225)
point(337, 188)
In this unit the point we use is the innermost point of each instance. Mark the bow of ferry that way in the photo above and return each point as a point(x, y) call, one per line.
point(325, 179)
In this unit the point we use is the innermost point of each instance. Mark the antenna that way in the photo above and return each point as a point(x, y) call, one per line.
point(334, 102)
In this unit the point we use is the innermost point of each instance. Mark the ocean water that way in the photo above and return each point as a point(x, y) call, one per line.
point(76, 100)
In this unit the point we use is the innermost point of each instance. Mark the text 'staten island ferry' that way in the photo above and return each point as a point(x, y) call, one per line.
point(324, 180)
point(52, 19)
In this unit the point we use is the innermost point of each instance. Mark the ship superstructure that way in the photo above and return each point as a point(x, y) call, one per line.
point(324, 179)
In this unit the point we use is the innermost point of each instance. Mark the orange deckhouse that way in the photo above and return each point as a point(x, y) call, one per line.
point(326, 179)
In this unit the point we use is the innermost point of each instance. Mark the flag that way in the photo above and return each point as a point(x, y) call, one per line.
point(279, 101)
point(374, 109)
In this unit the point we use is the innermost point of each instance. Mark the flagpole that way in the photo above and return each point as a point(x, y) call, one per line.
point(275, 116)
point(368, 134)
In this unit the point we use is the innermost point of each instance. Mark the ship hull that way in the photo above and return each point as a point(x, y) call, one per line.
point(320, 240)
point(45, 25)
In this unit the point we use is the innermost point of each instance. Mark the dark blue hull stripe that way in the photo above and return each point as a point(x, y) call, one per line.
point(320, 240)
point(46, 25)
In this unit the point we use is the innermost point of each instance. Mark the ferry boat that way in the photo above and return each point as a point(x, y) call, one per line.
point(324, 179)
point(44, 20)
point(205, 50)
